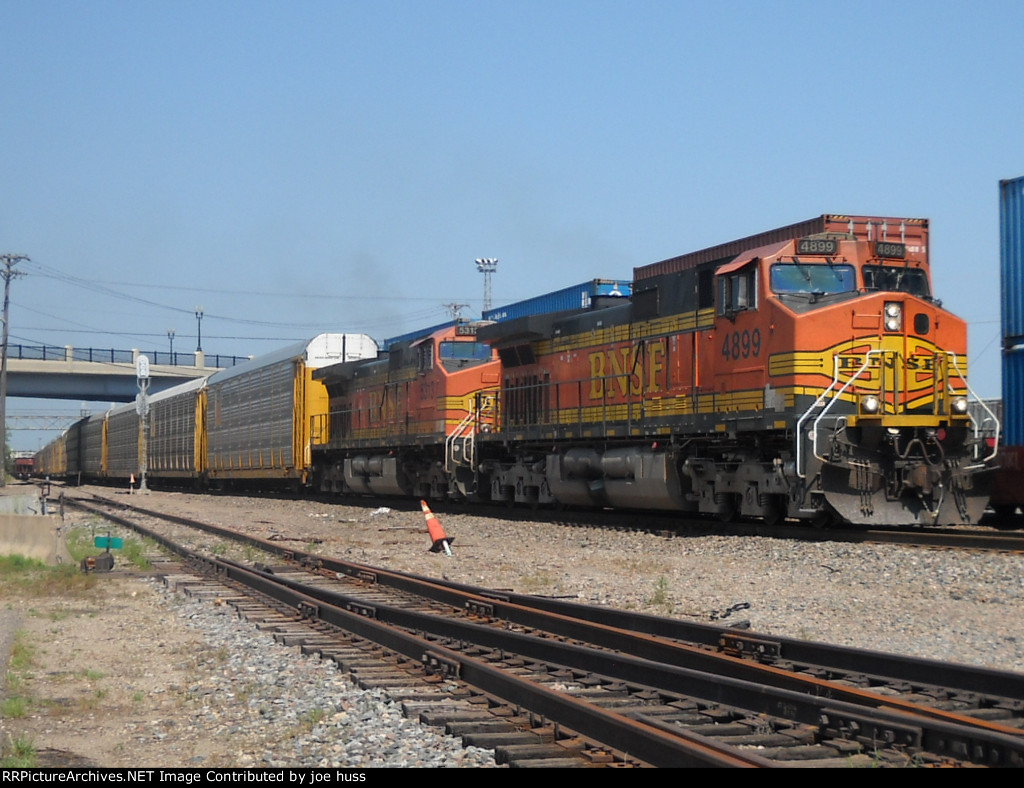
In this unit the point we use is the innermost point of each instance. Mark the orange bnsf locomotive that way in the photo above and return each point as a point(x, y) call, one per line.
point(806, 372)
point(404, 424)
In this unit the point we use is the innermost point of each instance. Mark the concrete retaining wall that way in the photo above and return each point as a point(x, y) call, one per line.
point(23, 531)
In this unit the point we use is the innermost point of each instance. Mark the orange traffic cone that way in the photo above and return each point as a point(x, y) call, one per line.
point(437, 535)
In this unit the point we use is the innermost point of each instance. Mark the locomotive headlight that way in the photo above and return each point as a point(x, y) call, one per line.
point(960, 405)
point(893, 316)
point(869, 404)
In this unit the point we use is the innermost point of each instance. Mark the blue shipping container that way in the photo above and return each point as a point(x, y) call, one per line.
point(1013, 397)
point(420, 332)
point(1011, 272)
point(1011, 257)
point(576, 297)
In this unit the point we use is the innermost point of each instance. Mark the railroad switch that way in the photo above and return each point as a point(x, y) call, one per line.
point(761, 649)
point(104, 562)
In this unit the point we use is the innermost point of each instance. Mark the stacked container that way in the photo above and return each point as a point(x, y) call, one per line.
point(1011, 256)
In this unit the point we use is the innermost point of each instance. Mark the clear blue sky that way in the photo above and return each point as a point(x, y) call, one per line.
point(297, 167)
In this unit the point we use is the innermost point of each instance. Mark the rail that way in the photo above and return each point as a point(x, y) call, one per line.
point(760, 675)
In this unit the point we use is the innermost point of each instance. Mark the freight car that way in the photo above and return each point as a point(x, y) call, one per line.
point(807, 372)
point(23, 467)
point(259, 414)
point(250, 423)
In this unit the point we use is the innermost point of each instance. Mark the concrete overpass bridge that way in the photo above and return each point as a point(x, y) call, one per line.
point(101, 375)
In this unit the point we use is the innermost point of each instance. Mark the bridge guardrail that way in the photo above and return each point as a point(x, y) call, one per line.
point(114, 356)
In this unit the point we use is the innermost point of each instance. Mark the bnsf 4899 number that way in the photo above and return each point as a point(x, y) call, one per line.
point(742, 344)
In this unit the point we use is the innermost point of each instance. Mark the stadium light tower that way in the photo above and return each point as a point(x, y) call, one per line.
point(487, 266)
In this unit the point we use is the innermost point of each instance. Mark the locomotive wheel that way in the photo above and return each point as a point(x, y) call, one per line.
point(823, 519)
point(774, 517)
point(727, 512)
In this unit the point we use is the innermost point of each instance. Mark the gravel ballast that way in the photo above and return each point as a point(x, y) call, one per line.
point(220, 693)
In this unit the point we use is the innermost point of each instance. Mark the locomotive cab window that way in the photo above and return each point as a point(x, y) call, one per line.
point(798, 277)
point(737, 291)
point(897, 279)
point(456, 355)
point(425, 357)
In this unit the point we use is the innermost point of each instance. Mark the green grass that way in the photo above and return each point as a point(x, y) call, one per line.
point(22, 652)
point(26, 578)
point(661, 596)
point(134, 553)
point(13, 708)
point(12, 564)
point(80, 543)
point(18, 753)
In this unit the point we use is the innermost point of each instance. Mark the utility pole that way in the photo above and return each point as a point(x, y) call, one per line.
point(455, 310)
point(8, 273)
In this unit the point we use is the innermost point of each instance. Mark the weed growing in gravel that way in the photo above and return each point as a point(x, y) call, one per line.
point(22, 652)
point(661, 596)
point(245, 692)
point(134, 553)
point(306, 722)
point(14, 705)
point(313, 717)
point(80, 542)
point(536, 582)
point(18, 753)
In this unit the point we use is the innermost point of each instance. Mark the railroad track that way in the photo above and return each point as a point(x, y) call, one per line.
point(586, 685)
point(1006, 538)
point(993, 534)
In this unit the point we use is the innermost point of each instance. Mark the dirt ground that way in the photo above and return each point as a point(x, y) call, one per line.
point(103, 676)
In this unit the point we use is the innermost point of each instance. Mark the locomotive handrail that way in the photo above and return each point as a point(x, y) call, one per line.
point(466, 430)
point(977, 429)
point(818, 403)
point(835, 397)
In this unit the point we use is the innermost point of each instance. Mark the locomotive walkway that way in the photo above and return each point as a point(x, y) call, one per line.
point(101, 374)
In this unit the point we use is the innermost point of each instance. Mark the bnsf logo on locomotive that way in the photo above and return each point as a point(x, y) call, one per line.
point(627, 369)
point(912, 364)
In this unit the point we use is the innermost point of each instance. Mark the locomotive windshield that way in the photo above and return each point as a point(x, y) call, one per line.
point(797, 277)
point(896, 279)
point(455, 355)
